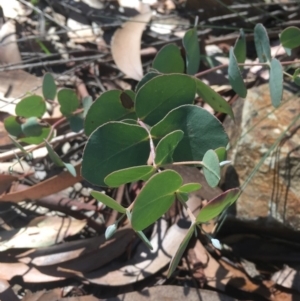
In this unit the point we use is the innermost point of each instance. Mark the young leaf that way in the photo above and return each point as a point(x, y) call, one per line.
point(76, 122)
point(32, 127)
point(290, 37)
point(12, 126)
point(107, 107)
point(68, 101)
point(128, 175)
point(211, 168)
point(166, 146)
point(276, 82)
point(162, 94)
point(214, 99)
point(31, 106)
point(240, 48)
point(235, 77)
point(182, 196)
point(221, 153)
point(155, 199)
point(192, 50)
point(58, 161)
point(49, 86)
point(190, 187)
point(111, 230)
point(217, 205)
point(44, 134)
point(114, 146)
point(262, 44)
point(169, 60)
point(198, 125)
point(86, 103)
point(108, 201)
point(176, 258)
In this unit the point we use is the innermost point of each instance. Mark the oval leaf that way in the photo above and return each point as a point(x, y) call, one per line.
point(176, 258)
point(190, 187)
point(169, 60)
point(49, 86)
point(114, 146)
point(108, 201)
point(214, 99)
point(111, 230)
point(217, 205)
point(12, 126)
point(155, 199)
point(68, 101)
point(262, 44)
point(235, 77)
point(162, 94)
point(192, 50)
point(211, 168)
point(128, 175)
point(166, 146)
point(240, 48)
point(276, 82)
point(31, 106)
point(107, 107)
point(290, 37)
point(198, 125)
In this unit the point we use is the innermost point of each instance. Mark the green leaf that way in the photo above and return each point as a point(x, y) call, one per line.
point(262, 44)
point(296, 77)
point(176, 258)
point(214, 99)
point(86, 103)
point(217, 205)
point(155, 198)
point(68, 101)
point(12, 126)
point(107, 107)
point(221, 153)
point(76, 122)
point(182, 196)
point(190, 187)
point(192, 50)
point(111, 230)
point(31, 106)
point(58, 161)
point(276, 82)
point(32, 127)
point(166, 147)
point(146, 78)
point(290, 37)
point(235, 77)
point(240, 48)
point(45, 132)
point(211, 168)
point(128, 175)
point(162, 94)
point(198, 126)
point(49, 86)
point(108, 201)
point(114, 146)
point(169, 60)
point(19, 146)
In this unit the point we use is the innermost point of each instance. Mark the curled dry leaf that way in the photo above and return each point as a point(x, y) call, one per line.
point(126, 46)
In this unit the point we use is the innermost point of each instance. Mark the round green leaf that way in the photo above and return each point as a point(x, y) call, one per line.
point(146, 78)
point(107, 107)
point(108, 201)
point(276, 82)
point(211, 168)
point(162, 94)
point(45, 132)
point(176, 258)
point(235, 77)
point(166, 147)
point(221, 153)
point(12, 126)
point(290, 37)
point(155, 198)
point(76, 122)
point(114, 146)
point(128, 175)
point(240, 48)
point(169, 60)
point(262, 43)
point(49, 86)
point(68, 101)
point(198, 126)
point(214, 99)
point(192, 51)
point(32, 127)
point(217, 205)
point(190, 187)
point(31, 106)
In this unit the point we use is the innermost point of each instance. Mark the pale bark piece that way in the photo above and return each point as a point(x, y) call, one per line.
point(287, 277)
point(126, 46)
point(172, 292)
point(14, 9)
point(46, 232)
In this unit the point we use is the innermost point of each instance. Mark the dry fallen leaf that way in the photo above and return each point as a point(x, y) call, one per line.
point(126, 46)
point(14, 9)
